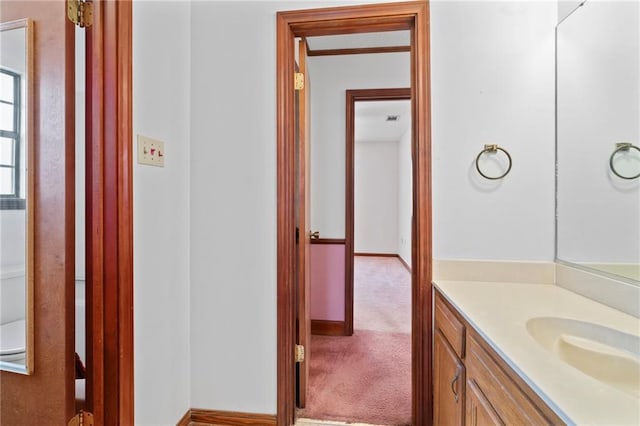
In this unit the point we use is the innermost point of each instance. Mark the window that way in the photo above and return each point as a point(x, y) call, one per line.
point(11, 177)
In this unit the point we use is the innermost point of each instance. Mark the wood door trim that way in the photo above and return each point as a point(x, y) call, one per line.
point(109, 214)
point(353, 96)
point(327, 328)
point(413, 16)
point(336, 241)
point(358, 50)
point(216, 417)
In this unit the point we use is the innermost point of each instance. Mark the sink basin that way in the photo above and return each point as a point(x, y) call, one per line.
point(608, 355)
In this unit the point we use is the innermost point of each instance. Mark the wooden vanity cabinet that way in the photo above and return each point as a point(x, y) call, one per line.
point(486, 391)
point(449, 370)
point(448, 382)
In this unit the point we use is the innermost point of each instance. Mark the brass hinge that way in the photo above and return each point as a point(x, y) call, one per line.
point(299, 353)
point(83, 418)
point(299, 81)
point(80, 12)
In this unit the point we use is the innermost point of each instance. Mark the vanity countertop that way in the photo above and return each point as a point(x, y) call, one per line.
point(499, 311)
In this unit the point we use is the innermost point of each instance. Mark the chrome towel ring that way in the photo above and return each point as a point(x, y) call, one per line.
point(493, 148)
point(622, 146)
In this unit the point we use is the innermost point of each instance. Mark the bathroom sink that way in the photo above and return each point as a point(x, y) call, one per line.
point(608, 355)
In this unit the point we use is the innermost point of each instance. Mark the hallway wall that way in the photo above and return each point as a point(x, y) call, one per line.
point(376, 197)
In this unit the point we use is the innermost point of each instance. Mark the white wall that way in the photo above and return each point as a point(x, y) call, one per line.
point(161, 110)
point(328, 123)
point(493, 82)
point(376, 197)
point(405, 196)
point(233, 185)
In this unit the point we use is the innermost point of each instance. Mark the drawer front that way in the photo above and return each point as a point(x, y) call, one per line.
point(450, 326)
point(512, 406)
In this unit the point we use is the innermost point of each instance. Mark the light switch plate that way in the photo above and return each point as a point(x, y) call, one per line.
point(150, 151)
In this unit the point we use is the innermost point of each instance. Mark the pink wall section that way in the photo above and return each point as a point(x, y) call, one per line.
point(327, 282)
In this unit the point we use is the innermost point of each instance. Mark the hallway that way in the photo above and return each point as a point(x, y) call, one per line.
point(367, 377)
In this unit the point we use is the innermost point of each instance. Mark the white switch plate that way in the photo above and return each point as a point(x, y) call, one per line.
point(150, 151)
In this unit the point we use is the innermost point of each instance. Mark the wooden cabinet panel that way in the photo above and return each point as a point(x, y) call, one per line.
point(479, 411)
point(510, 403)
point(449, 379)
point(450, 326)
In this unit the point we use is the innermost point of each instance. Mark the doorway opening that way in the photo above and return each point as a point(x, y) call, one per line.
point(365, 375)
point(412, 16)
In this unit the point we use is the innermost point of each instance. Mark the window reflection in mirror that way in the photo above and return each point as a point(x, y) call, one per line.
point(598, 107)
point(15, 188)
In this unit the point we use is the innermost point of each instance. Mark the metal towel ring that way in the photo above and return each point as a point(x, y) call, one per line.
point(493, 148)
point(622, 146)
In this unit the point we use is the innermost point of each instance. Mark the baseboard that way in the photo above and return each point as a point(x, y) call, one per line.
point(327, 328)
point(196, 416)
point(185, 420)
point(405, 264)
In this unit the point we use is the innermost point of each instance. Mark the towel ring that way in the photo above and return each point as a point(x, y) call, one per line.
point(622, 146)
point(493, 148)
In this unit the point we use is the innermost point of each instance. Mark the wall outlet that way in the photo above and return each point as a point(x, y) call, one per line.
point(150, 151)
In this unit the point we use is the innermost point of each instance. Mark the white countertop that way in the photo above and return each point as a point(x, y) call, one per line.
point(499, 311)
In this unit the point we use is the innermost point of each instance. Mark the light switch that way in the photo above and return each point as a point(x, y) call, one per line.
point(150, 151)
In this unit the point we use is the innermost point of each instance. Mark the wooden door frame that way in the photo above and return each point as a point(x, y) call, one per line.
point(109, 207)
point(353, 96)
point(412, 16)
point(109, 225)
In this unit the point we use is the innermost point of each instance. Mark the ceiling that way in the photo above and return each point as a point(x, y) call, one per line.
point(371, 120)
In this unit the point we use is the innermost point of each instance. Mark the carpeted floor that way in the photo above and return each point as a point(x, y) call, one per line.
point(367, 377)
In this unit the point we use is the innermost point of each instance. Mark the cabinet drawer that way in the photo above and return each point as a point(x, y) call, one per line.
point(512, 406)
point(450, 326)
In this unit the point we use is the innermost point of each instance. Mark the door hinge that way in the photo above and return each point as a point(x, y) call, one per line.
point(80, 12)
point(83, 418)
point(299, 81)
point(299, 353)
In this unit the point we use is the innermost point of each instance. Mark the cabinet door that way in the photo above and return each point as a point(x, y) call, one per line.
point(448, 374)
point(479, 410)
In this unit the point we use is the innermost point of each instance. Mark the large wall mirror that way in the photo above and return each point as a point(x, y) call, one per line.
point(16, 196)
point(598, 144)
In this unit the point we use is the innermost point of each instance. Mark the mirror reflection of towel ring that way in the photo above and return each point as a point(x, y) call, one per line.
point(492, 149)
point(622, 146)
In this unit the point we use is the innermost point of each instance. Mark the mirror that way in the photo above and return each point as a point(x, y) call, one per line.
point(16, 196)
point(598, 109)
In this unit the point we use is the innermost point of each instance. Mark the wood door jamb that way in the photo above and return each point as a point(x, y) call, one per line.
point(353, 96)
